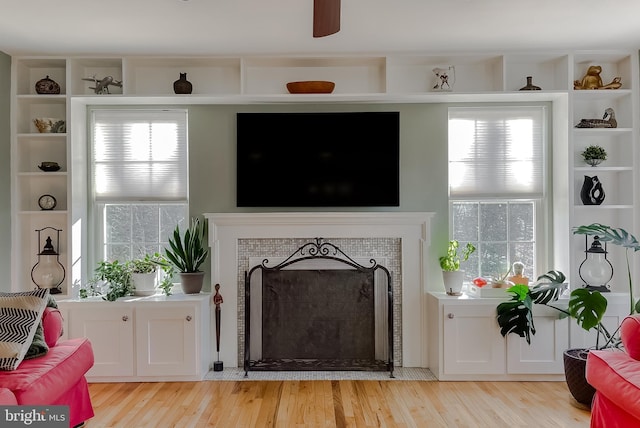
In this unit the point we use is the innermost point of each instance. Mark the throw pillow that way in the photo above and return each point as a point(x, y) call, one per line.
point(44, 339)
point(38, 345)
point(20, 315)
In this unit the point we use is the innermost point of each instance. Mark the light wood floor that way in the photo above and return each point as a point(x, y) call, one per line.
point(310, 404)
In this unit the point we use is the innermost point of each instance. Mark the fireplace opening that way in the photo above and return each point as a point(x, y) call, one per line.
point(318, 310)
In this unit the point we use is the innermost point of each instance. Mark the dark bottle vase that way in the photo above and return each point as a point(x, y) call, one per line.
point(182, 85)
point(530, 86)
point(592, 192)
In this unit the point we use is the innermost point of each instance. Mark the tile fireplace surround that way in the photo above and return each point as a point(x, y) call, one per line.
point(236, 237)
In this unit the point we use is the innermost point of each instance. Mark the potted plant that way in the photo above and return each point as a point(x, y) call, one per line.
point(187, 253)
point(450, 264)
point(144, 273)
point(111, 280)
point(594, 155)
point(585, 306)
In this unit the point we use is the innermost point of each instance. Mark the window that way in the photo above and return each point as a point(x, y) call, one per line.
point(497, 186)
point(139, 180)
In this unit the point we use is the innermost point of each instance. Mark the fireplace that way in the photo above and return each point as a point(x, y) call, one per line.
point(318, 309)
point(399, 241)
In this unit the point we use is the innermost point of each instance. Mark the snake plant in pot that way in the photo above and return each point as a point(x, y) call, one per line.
point(187, 253)
point(586, 307)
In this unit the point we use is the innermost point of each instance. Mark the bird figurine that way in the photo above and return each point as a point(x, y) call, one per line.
point(608, 121)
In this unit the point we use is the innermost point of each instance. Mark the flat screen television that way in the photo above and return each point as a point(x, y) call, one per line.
point(333, 159)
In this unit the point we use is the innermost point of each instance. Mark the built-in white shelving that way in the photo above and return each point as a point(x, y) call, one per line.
point(358, 78)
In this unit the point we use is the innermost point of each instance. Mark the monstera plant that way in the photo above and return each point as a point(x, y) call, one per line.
point(585, 306)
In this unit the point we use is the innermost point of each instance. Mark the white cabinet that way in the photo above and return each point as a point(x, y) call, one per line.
point(167, 341)
point(545, 353)
point(148, 339)
point(465, 342)
point(617, 309)
point(110, 329)
point(471, 342)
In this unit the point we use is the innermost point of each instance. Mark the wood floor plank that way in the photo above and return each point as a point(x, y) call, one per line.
point(335, 404)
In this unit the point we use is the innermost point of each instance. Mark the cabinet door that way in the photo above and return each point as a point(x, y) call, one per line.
point(472, 341)
point(110, 330)
point(616, 312)
point(545, 353)
point(166, 340)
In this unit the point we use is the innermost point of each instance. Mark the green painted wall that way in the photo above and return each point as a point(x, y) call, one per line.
point(5, 171)
point(423, 161)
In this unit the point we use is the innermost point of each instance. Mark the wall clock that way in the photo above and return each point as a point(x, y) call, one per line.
point(47, 202)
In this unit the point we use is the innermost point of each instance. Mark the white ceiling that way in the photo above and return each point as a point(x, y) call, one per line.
point(219, 27)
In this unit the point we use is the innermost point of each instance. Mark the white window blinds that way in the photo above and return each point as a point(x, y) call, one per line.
point(140, 155)
point(496, 152)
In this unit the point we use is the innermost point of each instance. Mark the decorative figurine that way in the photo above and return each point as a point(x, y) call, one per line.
point(442, 78)
point(592, 80)
point(102, 85)
point(518, 278)
point(608, 121)
point(217, 300)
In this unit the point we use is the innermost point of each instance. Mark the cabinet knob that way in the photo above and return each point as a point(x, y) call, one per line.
point(450, 316)
point(188, 317)
point(125, 318)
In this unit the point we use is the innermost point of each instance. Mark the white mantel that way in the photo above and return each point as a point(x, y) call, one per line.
point(412, 228)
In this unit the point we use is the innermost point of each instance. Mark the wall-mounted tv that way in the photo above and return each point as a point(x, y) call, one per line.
point(332, 159)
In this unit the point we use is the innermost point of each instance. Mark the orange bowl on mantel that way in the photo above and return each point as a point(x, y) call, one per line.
point(311, 87)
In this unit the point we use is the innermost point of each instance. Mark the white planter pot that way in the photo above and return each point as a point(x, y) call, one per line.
point(453, 282)
point(144, 283)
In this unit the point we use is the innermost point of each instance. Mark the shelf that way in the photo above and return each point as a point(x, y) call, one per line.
point(29, 71)
point(269, 75)
point(548, 71)
point(614, 64)
point(99, 68)
point(155, 76)
point(369, 78)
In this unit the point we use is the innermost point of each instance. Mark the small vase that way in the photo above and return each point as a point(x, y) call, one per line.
point(530, 86)
point(47, 86)
point(592, 192)
point(182, 85)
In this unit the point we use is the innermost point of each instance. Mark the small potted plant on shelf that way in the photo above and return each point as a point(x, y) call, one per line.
point(585, 306)
point(452, 276)
point(187, 253)
point(594, 155)
point(144, 274)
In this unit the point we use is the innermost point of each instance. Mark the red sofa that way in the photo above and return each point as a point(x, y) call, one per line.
point(615, 375)
point(56, 378)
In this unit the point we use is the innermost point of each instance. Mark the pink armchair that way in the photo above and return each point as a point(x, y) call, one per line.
point(57, 378)
point(615, 374)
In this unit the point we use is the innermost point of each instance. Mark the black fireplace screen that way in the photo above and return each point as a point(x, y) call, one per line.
point(333, 318)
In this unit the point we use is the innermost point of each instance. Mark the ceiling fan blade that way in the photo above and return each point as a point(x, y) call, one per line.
point(326, 17)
